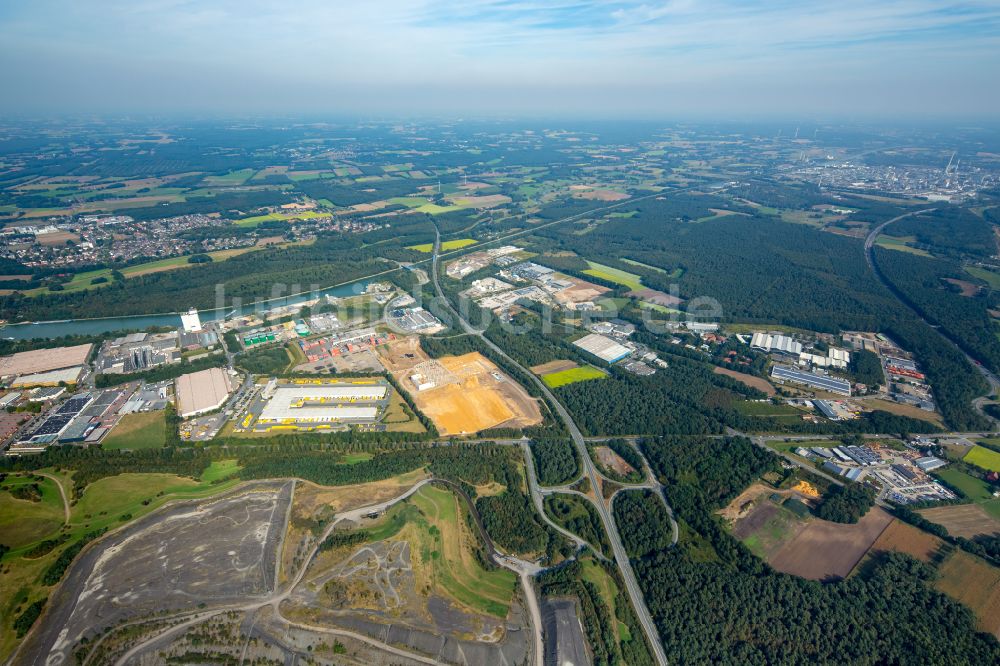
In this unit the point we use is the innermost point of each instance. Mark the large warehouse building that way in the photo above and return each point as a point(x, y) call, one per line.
point(200, 392)
point(603, 348)
point(778, 343)
point(822, 382)
point(44, 360)
point(323, 403)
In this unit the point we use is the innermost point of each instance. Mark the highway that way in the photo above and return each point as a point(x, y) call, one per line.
point(991, 378)
point(621, 557)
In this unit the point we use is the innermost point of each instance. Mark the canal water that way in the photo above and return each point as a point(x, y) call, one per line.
point(55, 329)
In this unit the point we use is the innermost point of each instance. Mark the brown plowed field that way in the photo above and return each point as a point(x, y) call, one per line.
point(963, 520)
point(829, 551)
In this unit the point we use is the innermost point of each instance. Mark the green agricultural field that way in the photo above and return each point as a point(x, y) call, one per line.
point(424, 205)
point(989, 277)
point(624, 278)
point(257, 220)
point(457, 244)
point(82, 281)
point(633, 262)
point(984, 458)
point(580, 374)
point(142, 430)
point(973, 488)
point(656, 307)
point(230, 179)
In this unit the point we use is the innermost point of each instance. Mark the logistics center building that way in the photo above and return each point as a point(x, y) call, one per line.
point(322, 404)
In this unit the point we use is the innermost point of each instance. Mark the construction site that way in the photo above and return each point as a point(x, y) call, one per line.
point(460, 394)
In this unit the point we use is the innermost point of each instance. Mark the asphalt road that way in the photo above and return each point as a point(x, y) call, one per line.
point(621, 557)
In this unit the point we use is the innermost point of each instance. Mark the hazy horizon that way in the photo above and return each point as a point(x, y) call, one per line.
point(718, 59)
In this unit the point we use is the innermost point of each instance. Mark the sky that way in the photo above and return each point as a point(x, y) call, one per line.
point(689, 59)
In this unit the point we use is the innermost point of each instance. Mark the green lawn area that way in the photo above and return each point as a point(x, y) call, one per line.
point(355, 458)
point(984, 458)
point(766, 408)
point(971, 487)
point(630, 280)
point(633, 262)
point(986, 275)
point(220, 469)
point(580, 374)
point(900, 243)
point(620, 214)
point(658, 308)
point(456, 244)
point(141, 430)
point(23, 521)
point(460, 575)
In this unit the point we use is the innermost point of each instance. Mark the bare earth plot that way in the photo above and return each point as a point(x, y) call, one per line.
point(196, 582)
point(468, 393)
point(902, 537)
point(828, 551)
point(752, 381)
point(192, 553)
point(611, 460)
point(413, 579)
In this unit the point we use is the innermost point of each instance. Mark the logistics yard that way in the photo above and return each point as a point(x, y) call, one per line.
point(460, 394)
point(310, 404)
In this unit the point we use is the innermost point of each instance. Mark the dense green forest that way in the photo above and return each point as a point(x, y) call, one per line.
point(948, 230)
point(789, 274)
point(714, 602)
point(923, 283)
point(556, 461)
point(847, 503)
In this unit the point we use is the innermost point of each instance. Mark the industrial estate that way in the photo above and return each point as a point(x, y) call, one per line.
point(498, 393)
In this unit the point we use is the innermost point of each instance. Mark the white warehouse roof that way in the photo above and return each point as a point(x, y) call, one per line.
point(603, 348)
point(322, 403)
point(781, 343)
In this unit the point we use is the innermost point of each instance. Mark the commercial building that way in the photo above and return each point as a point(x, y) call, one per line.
point(778, 343)
point(323, 403)
point(44, 360)
point(200, 392)
point(929, 463)
point(50, 378)
point(603, 348)
point(9, 399)
point(822, 382)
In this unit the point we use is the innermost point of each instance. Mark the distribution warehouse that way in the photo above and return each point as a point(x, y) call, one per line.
point(200, 392)
point(322, 403)
point(603, 348)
